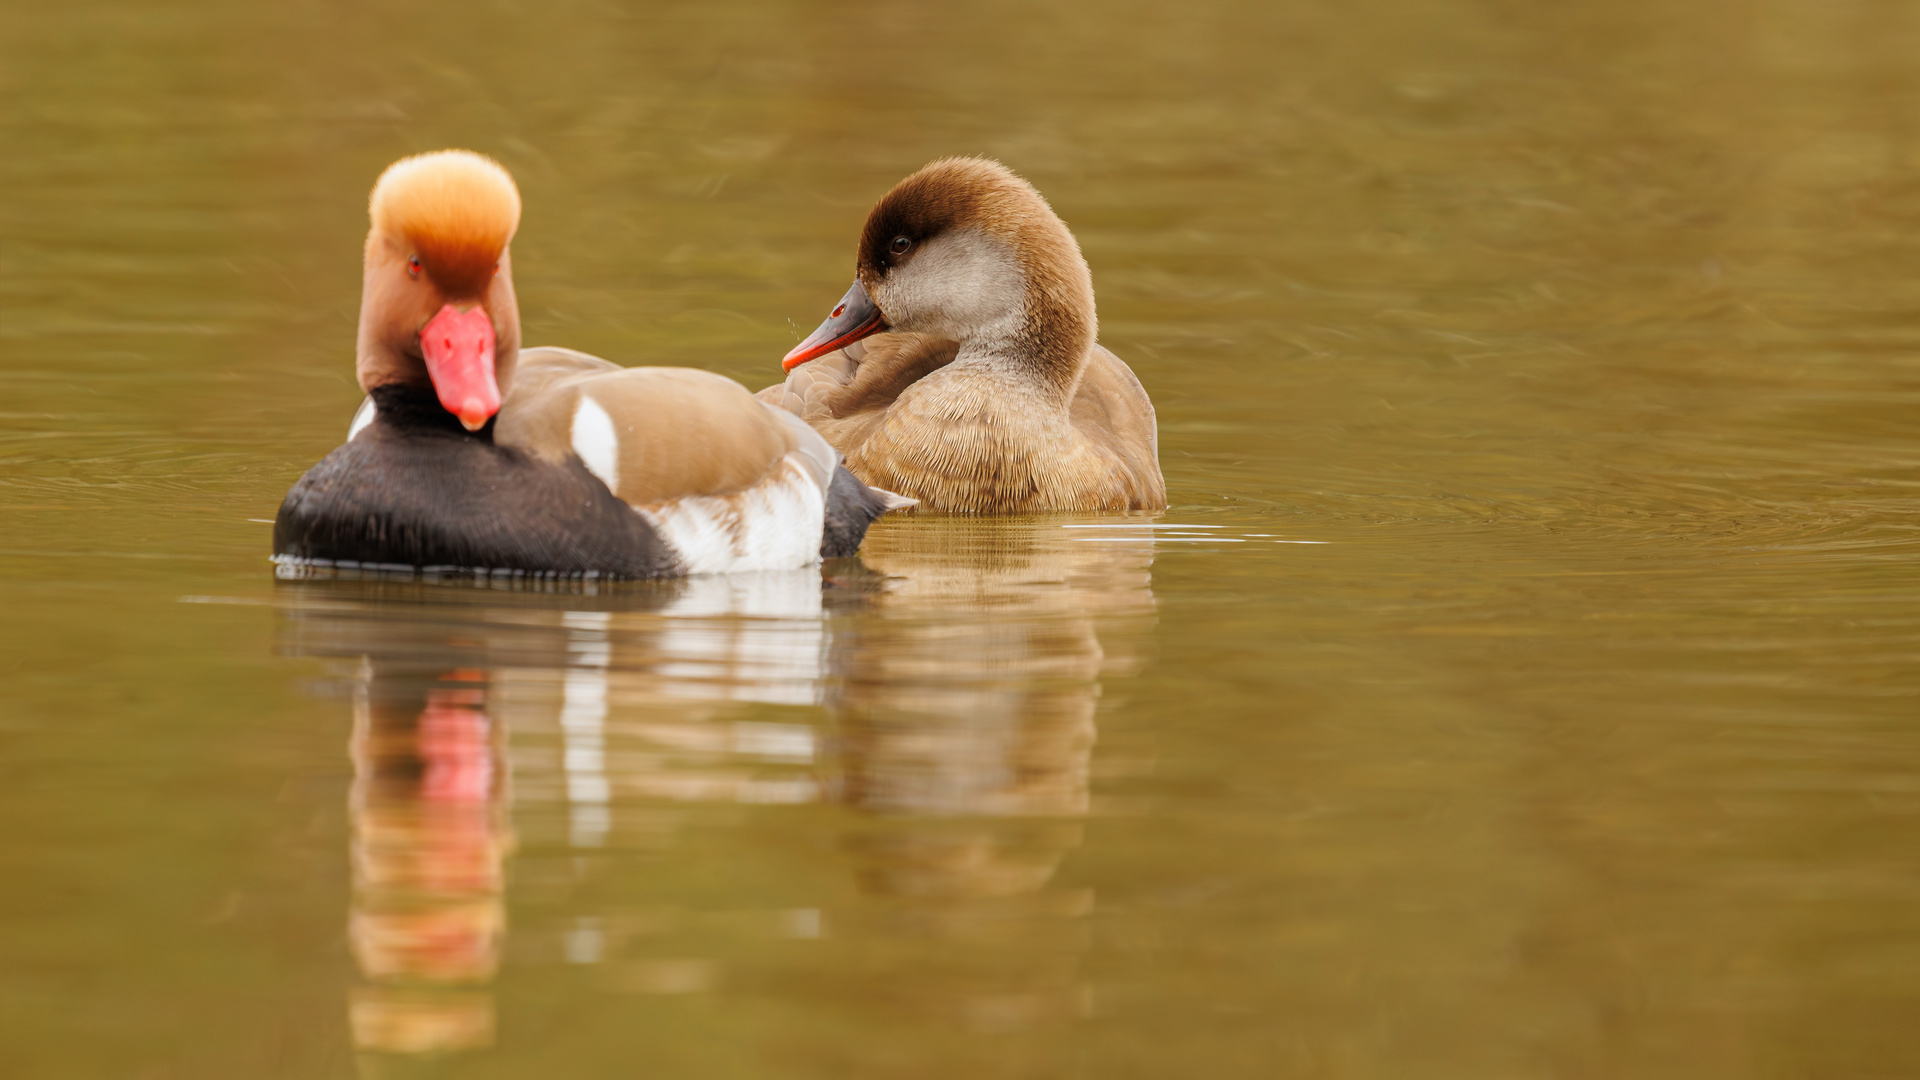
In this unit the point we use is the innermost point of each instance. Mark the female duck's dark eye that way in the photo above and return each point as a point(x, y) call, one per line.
point(413, 267)
point(900, 245)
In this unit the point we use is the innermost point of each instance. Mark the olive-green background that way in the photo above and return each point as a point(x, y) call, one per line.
point(1586, 336)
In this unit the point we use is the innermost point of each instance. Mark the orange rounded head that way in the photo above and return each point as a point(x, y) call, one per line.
point(438, 307)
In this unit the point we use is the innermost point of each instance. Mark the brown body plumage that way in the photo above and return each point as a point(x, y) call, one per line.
point(995, 397)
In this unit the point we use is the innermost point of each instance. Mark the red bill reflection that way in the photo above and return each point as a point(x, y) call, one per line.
point(430, 840)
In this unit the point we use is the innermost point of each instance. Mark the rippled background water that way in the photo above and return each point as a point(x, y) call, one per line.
point(1584, 338)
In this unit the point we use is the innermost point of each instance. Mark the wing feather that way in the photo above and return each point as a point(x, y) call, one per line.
point(675, 432)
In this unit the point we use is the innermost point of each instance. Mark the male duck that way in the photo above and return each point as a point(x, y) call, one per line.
point(993, 396)
point(584, 469)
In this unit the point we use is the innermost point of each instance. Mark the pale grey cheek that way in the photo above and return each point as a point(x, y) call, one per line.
point(954, 301)
point(904, 303)
point(964, 286)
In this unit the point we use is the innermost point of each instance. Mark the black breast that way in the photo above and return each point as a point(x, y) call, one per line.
point(428, 494)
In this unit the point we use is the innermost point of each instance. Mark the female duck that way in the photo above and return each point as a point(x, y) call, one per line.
point(585, 467)
point(994, 397)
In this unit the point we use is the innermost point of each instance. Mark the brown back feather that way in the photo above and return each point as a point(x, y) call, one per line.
point(681, 432)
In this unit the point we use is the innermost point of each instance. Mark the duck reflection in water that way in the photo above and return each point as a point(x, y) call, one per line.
point(945, 689)
point(430, 840)
point(965, 705)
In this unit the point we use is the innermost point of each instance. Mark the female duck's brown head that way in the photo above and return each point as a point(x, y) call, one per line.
point(966, 250)
point(437, 308)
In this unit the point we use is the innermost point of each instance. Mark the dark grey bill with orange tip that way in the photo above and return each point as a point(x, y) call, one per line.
point(853, 318)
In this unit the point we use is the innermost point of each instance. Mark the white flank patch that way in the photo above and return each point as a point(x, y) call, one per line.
point(774, 525)
point(361, 418)
point(596, 442)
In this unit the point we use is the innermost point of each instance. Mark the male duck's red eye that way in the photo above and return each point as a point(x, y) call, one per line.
point(413, 266)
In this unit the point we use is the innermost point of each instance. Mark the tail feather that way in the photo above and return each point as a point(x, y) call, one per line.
point(894, 501)
point(851, 507)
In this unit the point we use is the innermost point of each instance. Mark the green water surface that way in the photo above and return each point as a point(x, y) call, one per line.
point(1583, 740)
